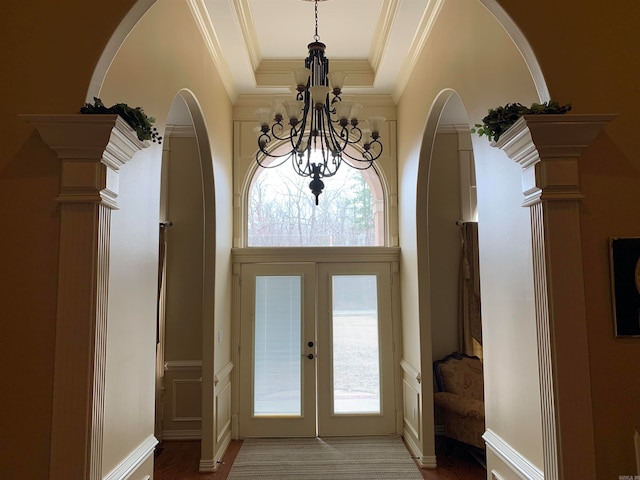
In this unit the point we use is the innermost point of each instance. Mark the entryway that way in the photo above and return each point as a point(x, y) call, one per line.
point(316, 350)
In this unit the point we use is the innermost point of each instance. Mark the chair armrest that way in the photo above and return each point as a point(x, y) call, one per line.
point(460, 405)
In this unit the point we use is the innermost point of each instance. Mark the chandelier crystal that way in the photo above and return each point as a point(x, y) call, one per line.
point(312, 122)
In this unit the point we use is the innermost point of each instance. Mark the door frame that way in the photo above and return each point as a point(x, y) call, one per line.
point(317, 255)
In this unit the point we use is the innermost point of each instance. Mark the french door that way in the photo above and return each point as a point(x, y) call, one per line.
point(316, 350)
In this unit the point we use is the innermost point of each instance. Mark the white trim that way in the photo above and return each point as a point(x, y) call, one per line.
point(182, 365)
point(413, 54)
point(181, 434)
point(185, 131)
point(224, 372)
point(205, 25)
point(495, 475)
point(410, 371)
point(424, 461)
point(383, 32)
point(133, 461)
point(511, 457)
point(319, 254)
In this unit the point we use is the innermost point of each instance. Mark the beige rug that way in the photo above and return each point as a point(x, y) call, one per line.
point(335, 458)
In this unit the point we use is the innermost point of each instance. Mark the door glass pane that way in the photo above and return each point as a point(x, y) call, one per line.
point(277, 357)
point(356, 353)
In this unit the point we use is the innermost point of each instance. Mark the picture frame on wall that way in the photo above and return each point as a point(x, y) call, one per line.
point(625, 285)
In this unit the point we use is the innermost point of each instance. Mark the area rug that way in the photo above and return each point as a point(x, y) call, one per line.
point(335, 458)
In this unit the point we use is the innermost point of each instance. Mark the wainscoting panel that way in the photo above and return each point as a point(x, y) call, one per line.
point(138, 465)
point(182, 400)
point(519, 467)
point(412, 411)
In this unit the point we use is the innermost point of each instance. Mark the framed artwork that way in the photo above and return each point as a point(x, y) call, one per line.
point(625, 285)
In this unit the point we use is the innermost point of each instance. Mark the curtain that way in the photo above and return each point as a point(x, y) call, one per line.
point(470, 327)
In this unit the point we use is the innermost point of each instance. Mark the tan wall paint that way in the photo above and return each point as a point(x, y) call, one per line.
point(163, 55)
point(588, 58)
point(184, 252)
point(444, 243)
point(41, 81)
point(482, 77)
point(583, 55)
point(131, 321)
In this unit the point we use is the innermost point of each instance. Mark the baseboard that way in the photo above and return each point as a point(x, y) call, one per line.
point(424, 461)
point(181, 434)
point(209, 466)
point(133, 461)
point(511, 457)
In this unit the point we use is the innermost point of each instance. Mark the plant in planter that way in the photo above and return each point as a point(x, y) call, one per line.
point(501, 118)
point(135, 117)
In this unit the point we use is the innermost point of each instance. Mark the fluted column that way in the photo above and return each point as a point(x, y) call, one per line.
point(548, 148)
point(91, 148)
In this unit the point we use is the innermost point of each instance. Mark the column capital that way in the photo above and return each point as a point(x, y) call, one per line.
point(548, 147)
point(92, 148)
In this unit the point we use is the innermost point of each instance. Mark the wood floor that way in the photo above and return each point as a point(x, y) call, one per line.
point(178, 460)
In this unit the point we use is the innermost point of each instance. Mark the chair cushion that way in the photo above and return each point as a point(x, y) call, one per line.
point(460, 406)
point(463, 377)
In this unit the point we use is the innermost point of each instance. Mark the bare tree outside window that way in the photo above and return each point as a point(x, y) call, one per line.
point(282, 210)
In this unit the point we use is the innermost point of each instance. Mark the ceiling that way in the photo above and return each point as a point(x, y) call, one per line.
point(256, 43)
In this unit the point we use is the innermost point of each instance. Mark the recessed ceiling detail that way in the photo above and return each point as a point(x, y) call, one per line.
point(375, 41)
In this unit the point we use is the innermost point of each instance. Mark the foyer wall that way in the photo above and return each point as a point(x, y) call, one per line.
point(482, 77)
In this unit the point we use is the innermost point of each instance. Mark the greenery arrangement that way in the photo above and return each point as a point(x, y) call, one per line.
point(135, 117)
point(501, 118)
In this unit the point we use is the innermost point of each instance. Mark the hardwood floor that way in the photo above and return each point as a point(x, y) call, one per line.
point(178, 460)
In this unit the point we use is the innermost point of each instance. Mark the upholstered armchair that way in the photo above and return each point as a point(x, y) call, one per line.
point(460, 398)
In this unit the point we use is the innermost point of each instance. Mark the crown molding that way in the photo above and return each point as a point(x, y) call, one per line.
point(203, 21)
point(277, 73)
point(186, 131)
point(383, 31)
point(242, 12)
point(426, 24)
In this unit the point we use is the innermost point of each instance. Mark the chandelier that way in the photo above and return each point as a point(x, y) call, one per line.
point(313, 130)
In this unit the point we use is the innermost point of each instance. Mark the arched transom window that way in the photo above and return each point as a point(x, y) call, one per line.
point(282, 211)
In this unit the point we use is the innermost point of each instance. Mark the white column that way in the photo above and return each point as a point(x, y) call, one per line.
point(91, 149)
point(548, 148)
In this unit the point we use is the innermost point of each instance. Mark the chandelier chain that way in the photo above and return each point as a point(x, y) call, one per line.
point(316, 37)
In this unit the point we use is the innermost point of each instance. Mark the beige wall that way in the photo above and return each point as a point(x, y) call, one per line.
point(600, 79)
point(163, 56)
point(587, 54)
point(133, 270)
point(444, 243)
point(482, 77)
point(182, 394)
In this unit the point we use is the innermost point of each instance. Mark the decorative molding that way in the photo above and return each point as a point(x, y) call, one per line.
point(411, 58)
point(511, 457)
point(559, 140)
point(224, 372)
point(247, 27)
point(320, 254)
point(383, 31)
point(179, 131)
point(548, 149)
point(133, 461)
point(182, 365)
point(91, 149)
point(277, 73)
point(174, 415)
point(410, 371)
point(181, 434)
point(205, 25)
point(495, 475)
